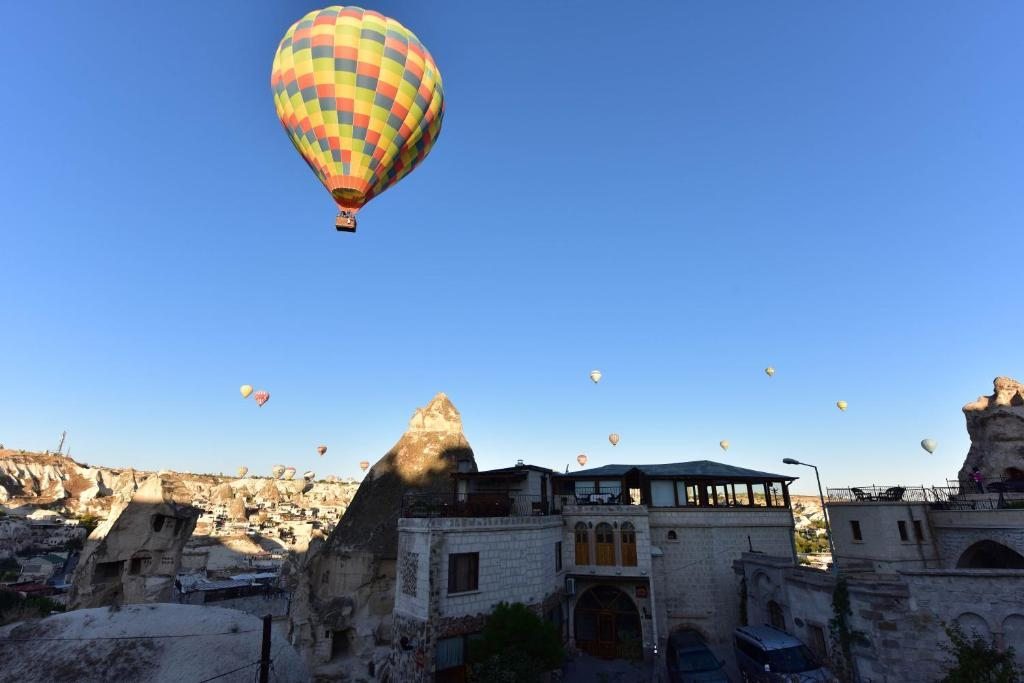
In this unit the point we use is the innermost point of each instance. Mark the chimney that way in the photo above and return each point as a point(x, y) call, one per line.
point(519, 463)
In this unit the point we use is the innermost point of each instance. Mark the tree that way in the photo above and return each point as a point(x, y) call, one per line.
point(977, 661)
point(516, 646)
point(88, 521)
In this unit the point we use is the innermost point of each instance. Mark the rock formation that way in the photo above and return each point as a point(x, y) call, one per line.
point(996, 426)
point(345, 588)
point(135, 554)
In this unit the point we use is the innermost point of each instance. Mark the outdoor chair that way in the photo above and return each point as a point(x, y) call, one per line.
point(860, 495)
point(892, 493)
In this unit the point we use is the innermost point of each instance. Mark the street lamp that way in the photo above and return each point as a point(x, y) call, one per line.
point(824, 511)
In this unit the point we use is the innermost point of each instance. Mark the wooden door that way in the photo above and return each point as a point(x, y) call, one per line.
point(606, 635)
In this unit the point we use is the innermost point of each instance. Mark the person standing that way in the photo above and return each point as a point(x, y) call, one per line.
point(976, 478)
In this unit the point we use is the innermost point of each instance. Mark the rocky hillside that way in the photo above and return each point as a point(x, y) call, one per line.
point(60, 483)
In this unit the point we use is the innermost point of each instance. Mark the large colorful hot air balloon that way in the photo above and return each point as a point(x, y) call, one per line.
point(581, 459)
point(364, 465)
point(321, 450)
point(724, 443)
point(614, 438)
point(289, 473)
point(841, 405)
point(929, 445)
point(595, 376)
point(361, 100)
point(242, 471)
point(245, 390)
point(262, 397)
point(276, 471)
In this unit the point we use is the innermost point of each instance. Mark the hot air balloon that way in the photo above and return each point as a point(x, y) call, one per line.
point(581, 459)
point(724, 443)
point(364, 465)
point(595, 376)
point(841, 405)
point(309, 475)
point(614, 438)
point(929, 445)
point(321, 450)
point(245, 390)
point(770, 371)
point(276, 471)
point(361, 100)
point(261, 397)
point(242, 471)
point(289, 473)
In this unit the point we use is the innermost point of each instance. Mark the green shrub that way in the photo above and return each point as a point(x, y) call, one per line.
point(975, 660)
point(516, 646)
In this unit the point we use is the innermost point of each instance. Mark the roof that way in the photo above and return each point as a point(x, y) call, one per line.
point(769, 637)
point(517, 470)
point(697, 469)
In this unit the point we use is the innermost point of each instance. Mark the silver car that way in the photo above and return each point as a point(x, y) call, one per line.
point(767, 655)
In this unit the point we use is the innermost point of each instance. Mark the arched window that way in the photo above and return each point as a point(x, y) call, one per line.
point(672, 535)
point(627, 534)
point(582, 544)
point(605, 544)
point(990, 555)
point(775, 615)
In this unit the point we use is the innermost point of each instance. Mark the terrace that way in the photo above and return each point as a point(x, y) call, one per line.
point(952, 497)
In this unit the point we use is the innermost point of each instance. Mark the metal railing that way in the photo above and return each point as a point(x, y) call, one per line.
point(478, 504)
point(937, 497)
point(593, 496)
point(873, 493)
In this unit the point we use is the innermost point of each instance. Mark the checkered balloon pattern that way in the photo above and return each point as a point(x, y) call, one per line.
point(360, 97)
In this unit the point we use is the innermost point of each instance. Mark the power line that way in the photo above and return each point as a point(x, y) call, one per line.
point(226, 673)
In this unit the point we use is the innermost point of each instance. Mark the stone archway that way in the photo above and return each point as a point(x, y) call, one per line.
point(607, 624)
point(990, 555)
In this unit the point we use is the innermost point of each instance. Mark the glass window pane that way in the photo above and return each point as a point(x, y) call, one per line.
point(663, 494)
point(613, 487)
point(449, 653)
point(681, 492)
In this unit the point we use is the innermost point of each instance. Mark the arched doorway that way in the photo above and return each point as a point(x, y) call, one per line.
point(990, 555)
point(607, 624)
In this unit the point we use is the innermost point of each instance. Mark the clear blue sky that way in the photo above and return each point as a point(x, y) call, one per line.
point(676, 193)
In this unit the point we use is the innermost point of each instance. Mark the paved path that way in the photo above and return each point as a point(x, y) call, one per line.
point(586, 669)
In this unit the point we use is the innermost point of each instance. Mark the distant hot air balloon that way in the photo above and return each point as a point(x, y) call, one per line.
point(246, 390)
point(242, 471)
point(276, 471)
point(261, 397)
point(929, 445)
point(289, 473)
point(581, 459)
point(364, 465)
point(841, 405)
point(321, 450)
point(770, 371)
point(361, 100)
point(724, 443)
point(614, 438)
point(309, 475)
point(595, 375)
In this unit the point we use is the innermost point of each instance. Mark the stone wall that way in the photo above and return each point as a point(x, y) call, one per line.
point(957, 530)
point(881, 547)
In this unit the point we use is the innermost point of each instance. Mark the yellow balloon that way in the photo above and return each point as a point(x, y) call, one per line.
point(769, 371)
point(724, 443)
point(841, 405)
point(246, 390)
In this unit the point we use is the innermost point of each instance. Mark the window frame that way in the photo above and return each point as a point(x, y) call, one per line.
point(858, 533)
point(558, 556)
point(601, 558)
point(472, 574)
point(582, 531)
point(901, 525)
point(629, 559)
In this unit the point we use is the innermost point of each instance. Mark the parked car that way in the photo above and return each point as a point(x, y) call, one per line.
point(767, 655)
point(690, 660)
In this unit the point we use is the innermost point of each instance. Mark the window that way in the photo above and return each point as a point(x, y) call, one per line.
point(918, 530)
point(158, 522)
point(672, 535)
point(450, 653)
point(140, 563)
point(775, 615)
point(628, 536)
point(463, 572)
point(612, 487)
point(855, 528)
point(558, 556)
point(663, 494)
point(681, 492)
point(605, 544)
point(903, 530)
point(582, 544)
point(818, 644)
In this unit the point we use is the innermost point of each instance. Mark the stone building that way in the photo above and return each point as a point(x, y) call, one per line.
point(617, 557)
point(134, 556)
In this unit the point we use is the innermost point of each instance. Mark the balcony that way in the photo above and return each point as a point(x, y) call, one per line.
point(481, 504)
point(936, 497)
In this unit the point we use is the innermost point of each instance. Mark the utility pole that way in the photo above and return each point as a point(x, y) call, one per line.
point(60, 448)
point(265, 652)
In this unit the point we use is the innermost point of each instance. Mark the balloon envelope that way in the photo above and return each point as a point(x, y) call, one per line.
point(769, 371)
point(929, 445)
point(364, 465)
point(581, 459)
point(595, 375)
point(724, 443)
point(614, 438)
point(360, 98)
point(242, 471)
point(245, 390)
point(289, 472)
point(309, 475)
point(276, 471)
point(262, 397)
point(841, 405)
point(321, 450)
